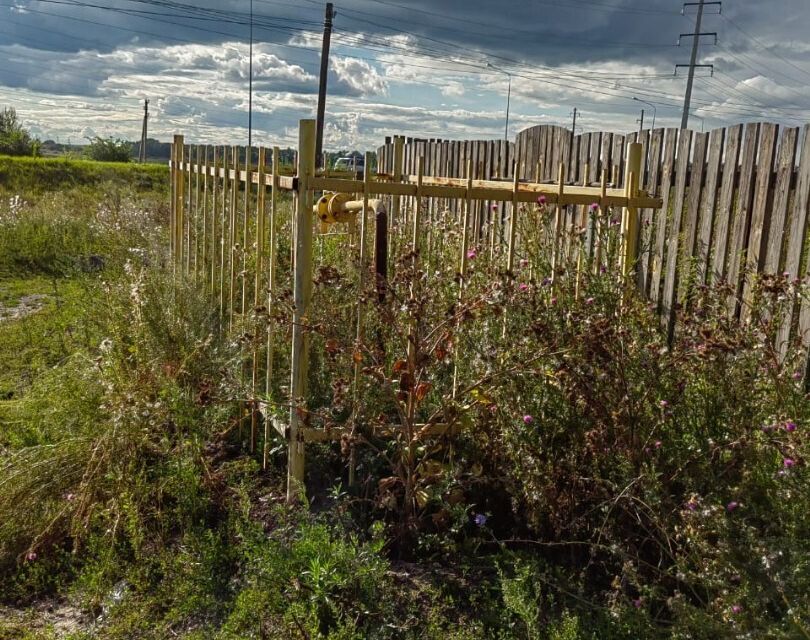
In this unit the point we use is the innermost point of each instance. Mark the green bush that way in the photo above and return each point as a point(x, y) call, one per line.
point(14, 139)
point(109, 149)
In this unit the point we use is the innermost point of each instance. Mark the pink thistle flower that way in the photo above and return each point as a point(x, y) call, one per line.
point(664, 404)
point(523, 286)
point(736, 608)
point(69, 497)
point(603, 269)
point(797, 375)
point(31, 556)
point(527, 419)
point(658, 444)
point(731, 506)
point(790, 427)
point(788, 463)
point(554, 301)
point(692, 505)
point(494, 207)
point(541, 200)
point(588, 300)
point(637, 603)
point(524, 262)
point(593, 207)
point(471, 254)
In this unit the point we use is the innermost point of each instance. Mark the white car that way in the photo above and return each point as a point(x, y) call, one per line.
point(349, 164)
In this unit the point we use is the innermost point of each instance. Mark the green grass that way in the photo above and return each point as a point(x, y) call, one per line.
point(34, 175)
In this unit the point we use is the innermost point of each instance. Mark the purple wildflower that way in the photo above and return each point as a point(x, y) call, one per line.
point(588, 300)
point(797, 375)
point(790, 427)
point(637, 603)
point(553, 301)
point(31, 556)
point(731, 506)
point(736, 608)
point(494, 206)
point(527, 419)
point(788, 463)
point(524, 262)
point(480, 519)
point(523, 286)
point(692, 505)
point(658, 444)
point(594, 207)
point(471, 254)
point(541, 200)
point(664, 404)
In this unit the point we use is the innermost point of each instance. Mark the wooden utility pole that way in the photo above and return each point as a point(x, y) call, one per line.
point(687, 101)
point(142, 152)
point(327, 40)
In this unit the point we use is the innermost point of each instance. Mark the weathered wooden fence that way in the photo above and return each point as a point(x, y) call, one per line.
point(226, 225)
point(735, 201)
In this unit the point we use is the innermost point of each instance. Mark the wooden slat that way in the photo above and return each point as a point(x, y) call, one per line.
point(671, 273)
point(785, 165)
point(760, 216)
point(795, 244)
point(662, 221)
point(649, 216)
point(723, 210)
point(690, 224)
point(742, 219)
point(707, 204)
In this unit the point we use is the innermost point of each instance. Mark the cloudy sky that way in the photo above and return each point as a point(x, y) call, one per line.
point(433, 68)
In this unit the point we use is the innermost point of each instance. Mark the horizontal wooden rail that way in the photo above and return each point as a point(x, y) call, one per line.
point(438, 187)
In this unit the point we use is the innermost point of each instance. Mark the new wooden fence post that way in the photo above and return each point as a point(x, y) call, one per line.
point(205, 229)
point(196, 216)
point(173, 211)
point(214, 186)
point(302, 295)
point(187, 218)
point(271, 283)
point(232, 233)
point(465, 223)
point(223, 245)
point(254, 378)
point(179, 148)
point(510, 255)
point(360, 314)
point(630, 217)
point(395, 200)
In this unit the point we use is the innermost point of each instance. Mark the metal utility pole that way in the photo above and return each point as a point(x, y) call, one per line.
point(693, 61)
point(327, 41)
point(649, 104)
point(573, 133)
point(142, 152)
point(641, 123)
point(508, 98)
point(250, 85)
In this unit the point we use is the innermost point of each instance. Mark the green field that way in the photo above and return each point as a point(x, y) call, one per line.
point(605, 485)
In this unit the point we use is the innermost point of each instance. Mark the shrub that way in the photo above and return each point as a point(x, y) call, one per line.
point(109, 149)
point(14, 139)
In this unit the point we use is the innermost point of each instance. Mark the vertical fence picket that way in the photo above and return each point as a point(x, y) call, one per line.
point(670, 277)
point(795, 246)
point(691, 218)
point(725, 205)
point(742, 220)
point(707, 204)
point(785, 165)
point(760, 217)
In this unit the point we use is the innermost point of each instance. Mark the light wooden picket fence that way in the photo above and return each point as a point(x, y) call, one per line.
point(225, 220)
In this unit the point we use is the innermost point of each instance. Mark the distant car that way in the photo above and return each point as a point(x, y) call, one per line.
point(349, 164)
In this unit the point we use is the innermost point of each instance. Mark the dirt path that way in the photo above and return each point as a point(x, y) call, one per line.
point(25, 307)
point(57, 619)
